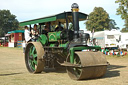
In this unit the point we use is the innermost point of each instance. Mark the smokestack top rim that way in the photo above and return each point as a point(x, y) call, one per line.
point(75, 5)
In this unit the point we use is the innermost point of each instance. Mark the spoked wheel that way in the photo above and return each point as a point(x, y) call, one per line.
point(92, 65)
point(74, 72)
point(34, 57)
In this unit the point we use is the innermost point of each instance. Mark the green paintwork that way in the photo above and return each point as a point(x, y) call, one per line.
point(40, 20)
point(43, 39)
point(54, 36)
point(61, 17)
point(33, 53)
point(77, 61)
point(52, 45)
point(63, 45)
point(73, 49)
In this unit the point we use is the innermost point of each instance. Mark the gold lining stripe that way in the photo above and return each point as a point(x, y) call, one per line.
point(75, 9)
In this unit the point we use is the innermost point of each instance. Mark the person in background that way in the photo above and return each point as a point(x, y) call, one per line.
point(34, 33)
point(47, 28)
point(94, 41)
point(59, 27)
point(27, 35)
point(27, 38)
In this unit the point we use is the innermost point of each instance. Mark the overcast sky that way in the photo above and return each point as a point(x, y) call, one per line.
point(31, 9)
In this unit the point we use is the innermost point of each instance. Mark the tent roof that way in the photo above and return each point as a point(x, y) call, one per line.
point(16, 31)
point(61, 17)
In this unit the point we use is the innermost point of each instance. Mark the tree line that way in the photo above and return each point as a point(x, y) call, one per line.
point(8, 22)
point(98, 20)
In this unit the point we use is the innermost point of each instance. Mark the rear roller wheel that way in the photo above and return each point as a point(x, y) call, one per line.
point(34, 57)
point(93, 65)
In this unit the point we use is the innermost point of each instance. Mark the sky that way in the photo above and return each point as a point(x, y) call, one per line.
point(32, 9)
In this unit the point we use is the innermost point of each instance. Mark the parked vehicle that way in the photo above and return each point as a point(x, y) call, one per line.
point(123, 41)
point(107, 39)
point(4, 41)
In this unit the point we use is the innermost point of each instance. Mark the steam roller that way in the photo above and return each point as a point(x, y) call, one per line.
point(62, 47)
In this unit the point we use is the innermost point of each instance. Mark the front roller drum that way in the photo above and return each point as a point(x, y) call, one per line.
point(91, 65)
point(34, 53)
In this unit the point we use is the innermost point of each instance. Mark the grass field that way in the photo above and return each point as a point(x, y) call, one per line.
point(13, 72)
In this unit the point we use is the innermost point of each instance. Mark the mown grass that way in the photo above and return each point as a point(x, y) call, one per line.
point(17, 48)
point(13, 72)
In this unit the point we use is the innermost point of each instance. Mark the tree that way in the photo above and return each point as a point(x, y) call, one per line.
point(124, 30)
point(112, 24)
point(98, 20)
point(8, 22)
point(123, 10)
point(20, 28)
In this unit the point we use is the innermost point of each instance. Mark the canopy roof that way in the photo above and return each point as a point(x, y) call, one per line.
point(16, 31)
point(61, 17)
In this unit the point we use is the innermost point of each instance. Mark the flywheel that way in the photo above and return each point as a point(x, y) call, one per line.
point(34, 53)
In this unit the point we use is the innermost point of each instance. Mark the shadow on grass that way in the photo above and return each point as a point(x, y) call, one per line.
point(9, 74)
point(113, 71)
point(57, 70)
